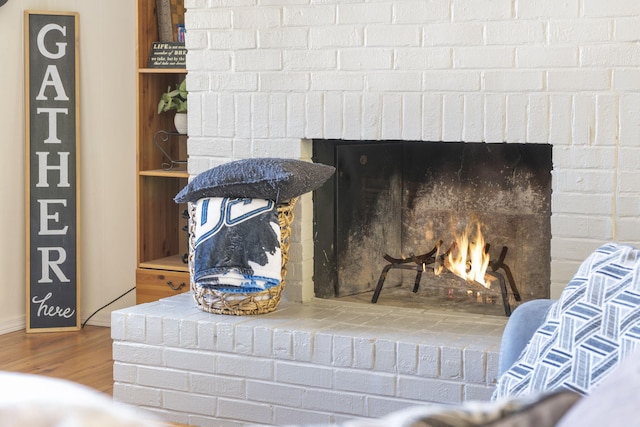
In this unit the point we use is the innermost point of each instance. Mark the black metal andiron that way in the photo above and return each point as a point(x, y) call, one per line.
point(420, 263)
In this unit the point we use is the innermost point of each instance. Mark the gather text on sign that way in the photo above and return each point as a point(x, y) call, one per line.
point(52, 129)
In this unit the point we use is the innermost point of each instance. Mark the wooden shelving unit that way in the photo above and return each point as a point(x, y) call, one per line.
point(162, 239)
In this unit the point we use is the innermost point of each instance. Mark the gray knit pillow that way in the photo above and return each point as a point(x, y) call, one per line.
point(260, 178)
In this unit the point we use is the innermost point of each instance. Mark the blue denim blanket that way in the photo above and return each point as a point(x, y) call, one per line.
point(237, 244)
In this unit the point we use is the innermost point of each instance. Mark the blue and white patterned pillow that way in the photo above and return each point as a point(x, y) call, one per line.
point(587, 332)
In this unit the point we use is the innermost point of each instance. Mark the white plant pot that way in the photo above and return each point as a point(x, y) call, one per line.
point(180, 122)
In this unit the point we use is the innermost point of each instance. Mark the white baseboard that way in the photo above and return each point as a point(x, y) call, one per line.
point(13, 325)
point(20, 324)
point(100, 319)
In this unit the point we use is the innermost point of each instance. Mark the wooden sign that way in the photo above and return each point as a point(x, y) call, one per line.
point(167, 55)
point(52, 140)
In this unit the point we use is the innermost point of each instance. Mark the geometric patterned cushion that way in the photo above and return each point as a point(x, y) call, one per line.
point(594, 324)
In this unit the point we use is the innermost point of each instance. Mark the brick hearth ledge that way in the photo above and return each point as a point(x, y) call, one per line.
point(317, 362)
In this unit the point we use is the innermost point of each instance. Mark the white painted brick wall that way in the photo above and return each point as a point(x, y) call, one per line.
point(263, 75)
point(320, 361)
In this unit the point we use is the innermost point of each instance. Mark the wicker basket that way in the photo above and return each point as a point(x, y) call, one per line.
point(218, 302)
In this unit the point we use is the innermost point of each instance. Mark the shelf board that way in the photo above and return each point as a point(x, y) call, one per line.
point(174, 173)
point(171, 263)
point(162, 70)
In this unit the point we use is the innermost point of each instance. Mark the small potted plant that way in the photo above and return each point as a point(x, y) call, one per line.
point(176, 100)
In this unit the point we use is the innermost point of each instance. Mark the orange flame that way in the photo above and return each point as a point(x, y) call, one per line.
point(468, 259)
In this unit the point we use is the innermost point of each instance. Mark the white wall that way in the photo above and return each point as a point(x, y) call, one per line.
point(264, 79)
point(107, 146)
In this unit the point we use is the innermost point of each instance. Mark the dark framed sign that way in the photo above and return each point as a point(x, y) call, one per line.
point(52, 165)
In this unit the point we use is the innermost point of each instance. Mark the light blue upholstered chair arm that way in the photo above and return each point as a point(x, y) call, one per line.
point(521, 326)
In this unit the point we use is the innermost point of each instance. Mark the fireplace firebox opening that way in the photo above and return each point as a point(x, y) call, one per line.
point(395, 199)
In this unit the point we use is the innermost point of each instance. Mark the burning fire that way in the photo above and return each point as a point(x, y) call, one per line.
point(467, 257)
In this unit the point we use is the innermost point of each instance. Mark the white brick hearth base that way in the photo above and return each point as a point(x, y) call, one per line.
point(317, 362)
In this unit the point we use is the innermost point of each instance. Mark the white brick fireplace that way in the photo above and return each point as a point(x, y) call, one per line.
point(268, 76)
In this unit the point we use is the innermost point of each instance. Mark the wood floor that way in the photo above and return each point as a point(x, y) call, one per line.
point(83, 356)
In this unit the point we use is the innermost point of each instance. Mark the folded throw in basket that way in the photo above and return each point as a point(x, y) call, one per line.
point(237, 244)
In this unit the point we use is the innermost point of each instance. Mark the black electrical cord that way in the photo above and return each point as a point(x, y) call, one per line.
point(106, 305)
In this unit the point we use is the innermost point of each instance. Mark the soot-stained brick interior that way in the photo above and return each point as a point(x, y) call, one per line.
point(401, 197)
